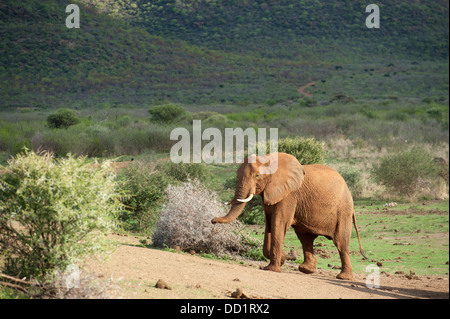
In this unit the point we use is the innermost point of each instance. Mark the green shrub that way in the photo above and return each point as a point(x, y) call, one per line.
point(354, 180)
point(52, 212)
point(63, 118)
point(306, 150)
point(407, 173)
point(184, 171)
point(166, 113)
point(435, 113)
point(145, 190)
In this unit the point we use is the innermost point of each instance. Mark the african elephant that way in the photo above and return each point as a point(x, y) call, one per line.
point(313, 199)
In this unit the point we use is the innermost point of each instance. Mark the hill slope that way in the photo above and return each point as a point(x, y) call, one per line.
point(278, 28)
point(131, 52)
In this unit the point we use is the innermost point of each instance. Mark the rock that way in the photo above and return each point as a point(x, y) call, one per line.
point(239, 294)
point(291, 255)
point(336, 267)
point(192, 252)
point(161, 284)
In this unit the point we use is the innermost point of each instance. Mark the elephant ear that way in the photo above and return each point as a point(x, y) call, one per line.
point(286, 175)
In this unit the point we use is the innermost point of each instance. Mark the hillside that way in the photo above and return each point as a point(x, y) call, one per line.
point(41, 56)
point(287, 27)
point(230, 52)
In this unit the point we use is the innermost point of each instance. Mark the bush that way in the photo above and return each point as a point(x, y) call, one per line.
point(166, 113)
point(185, 221)
point(184, 171)
point(145, 190)
point(63, 118)
point(306, 150)
point(145, 185)
point(354, 180)
point(406, 173)
point(52, 212)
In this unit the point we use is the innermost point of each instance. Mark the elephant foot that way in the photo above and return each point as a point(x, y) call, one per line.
point(272, 268)
point(345, 275)
point(307, 269)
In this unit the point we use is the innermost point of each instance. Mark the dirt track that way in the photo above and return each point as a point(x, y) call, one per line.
point(302, 89)
point(137, 269)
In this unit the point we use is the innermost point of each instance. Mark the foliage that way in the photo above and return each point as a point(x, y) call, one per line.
point(63, 118)
point(268, 26)
point(52, 212)
point(145, 185)
point(185, 221)
point(354, 180)
point(306, 150)
point(203, 53)
point(184, 171)
point(145, 191)
point(166, 113)
point(407, 172)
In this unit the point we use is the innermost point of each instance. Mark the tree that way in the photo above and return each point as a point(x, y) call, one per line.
point(167, 113)
point(63, 118)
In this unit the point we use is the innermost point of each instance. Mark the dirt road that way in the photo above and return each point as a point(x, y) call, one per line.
point(302, 89)
point(137, 269)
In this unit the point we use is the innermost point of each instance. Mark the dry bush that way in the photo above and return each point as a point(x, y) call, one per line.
point(185, 221)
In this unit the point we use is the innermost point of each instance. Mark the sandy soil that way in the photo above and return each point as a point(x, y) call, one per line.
point(136, 270)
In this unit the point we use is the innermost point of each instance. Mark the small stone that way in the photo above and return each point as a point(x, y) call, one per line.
point(161, 284)
point(237, 294)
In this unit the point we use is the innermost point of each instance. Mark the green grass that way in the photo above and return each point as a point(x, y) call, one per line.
point(401, 241)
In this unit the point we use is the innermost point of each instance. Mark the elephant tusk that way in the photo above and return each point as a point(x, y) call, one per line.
point(228, 203)
point(246, 200)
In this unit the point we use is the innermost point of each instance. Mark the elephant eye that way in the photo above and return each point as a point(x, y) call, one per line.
point(258, 175)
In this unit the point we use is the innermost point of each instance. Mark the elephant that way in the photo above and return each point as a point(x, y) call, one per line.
point(313, 199)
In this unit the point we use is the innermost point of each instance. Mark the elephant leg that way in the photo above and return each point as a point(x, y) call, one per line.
point(267, 249)
point(309, 259)
point(267, 241)
point(280, 222)
point(342, 243)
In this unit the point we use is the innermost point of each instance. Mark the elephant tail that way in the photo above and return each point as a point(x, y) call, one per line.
point(361, 250)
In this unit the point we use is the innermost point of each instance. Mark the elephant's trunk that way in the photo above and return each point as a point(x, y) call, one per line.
point(235, 211)
point(241, 197)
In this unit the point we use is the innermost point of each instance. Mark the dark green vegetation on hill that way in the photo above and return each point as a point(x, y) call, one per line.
point(232, 52)
point(277, 28)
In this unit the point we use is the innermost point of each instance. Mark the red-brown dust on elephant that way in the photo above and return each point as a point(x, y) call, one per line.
point(313, 199)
